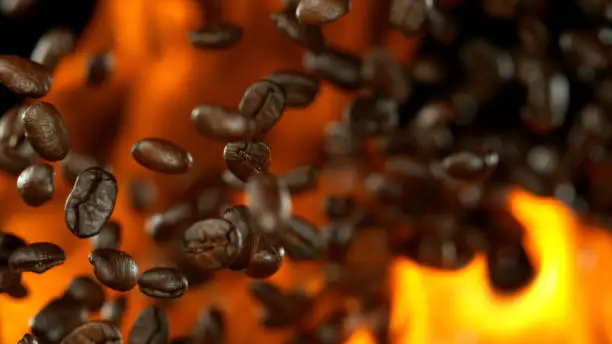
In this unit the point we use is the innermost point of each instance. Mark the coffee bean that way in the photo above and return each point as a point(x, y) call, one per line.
point(300, 179)
point(246, 159)
point(91, 202)
point(36, 185)
point(340, 141)
point(232, 181)
point(57, 319)
point(428, 69)
point(586, 51)
point(210, 326)
point(162, 156)
point(143, 193)
point(94, 333)
point(300, 89)
point(221, 35)
point(114, 269)
point(534, 35)
point(211, 244)
point(163, 283)
point(36, 257)
point(28, 339)
point(368, 116)
point(151, 327)
point(301, 240)
point(266, 260)
point(46, 131)
point(24, 77)
point(469, 167)
point(338, 237)
point(264, 103)
point(319, 12)
point(221, 124)
point(9, 280)
point(112, 311)
point(270, 203)
point(408, 15)
point(308, 36)
point(17, 8)
point(98, 68)
point(384, 76)
point(16, 153)
point(339, 207)
point(240, 217)
point(435, 115)
point(12, 131)
point(340, 68)
point(18, 292)
point(108, 237)
point(52, 46)
point(162, 226)
point(280, 310)
point(75, 163)
point(86, 291)
point(8, 244)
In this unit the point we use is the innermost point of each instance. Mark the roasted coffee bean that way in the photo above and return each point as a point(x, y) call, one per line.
point(36, 184)
point(46, 131)
point(14, 162)
point(94, 333)
point(408, 15)
point(85, 290)
point(182, 340)
point(112, 311)
point(384, 76)
point(280, 310)
point(338, 238)
point(586, 51)
point(17, 7)
point(24, 77)
point(428, 69)
point(468, 166)
point(28, 339)
point(151, 327)
point(163, 283)
point(114, 269)
point(340, 68)
point(308, 36)
point(8, 244)
point(266, 260)
point(210, 326)
point(211, 244)
point(162, 226)
point(108, 237)
point(301, 240)
point(339, 207)
point(534, 35)
point(75, 163)
point(509, 268)
point(52, 46)
point(12, 131)
point(300, 179)
point(91, 202)
point(340, 140)
point(442, 25)
point(36, 257)
point(219, 123)
point(300, 89)
point(369, 116)
point(240, 217)
point(270, 203)
point(143, 193)
point(435, 115)
point(57, 319)
point(162, 156)
point(232, 181)
point(18, 292)
point(16, 153)
point(246, 159)
point(99, 68)
point(221, 35)
point(264, 102)
point(319, 12)
point(8, 280)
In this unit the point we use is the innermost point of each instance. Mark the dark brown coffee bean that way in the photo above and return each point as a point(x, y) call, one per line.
point(163, 283)
point(109, 236)
point(151, 327)
point(300, 89)
point(36, 184)
point(24, 77)
point(340, 141)
point(112, 311)
point(384, 76)
point(270, 203)
point(28, 339)
point(36, 257)
point(143, 193)
point(17, 7)
point(211, 244)
point(339, 207)
point(586, 51)
point(369, 116)
point(57, 319)
point(221, 35)
point(264, 102)
point(75, 163)
point(99, 68)
point(469, 167)
point(302, 240)
point(307, 36)
point(428, 69)
point(267, 259)
point(280, 309)
point(8, 244)
point(52, 46)
point(85, 290)
point(9, 280)
point(210, 327)
point(338, 237)
point(534, 35)
point(319, 12)
point(16, 153)
point(340, 68)
point(114, 269)
point(94, 333)
point(435, 115)
point(12, 131)
point(91, 202)
point(18, 292)
point(162, 156)
point(246, 159)
point(162, 226)
point(408, 15)
point(46, 131)
point(219, 123)
point(232, 181)
point(240, 217)
point(300, 179)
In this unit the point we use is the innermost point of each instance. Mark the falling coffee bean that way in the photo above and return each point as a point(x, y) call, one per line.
point(308, 36)
point(28, 339)
point(75, 163)
point(9, 280)
point(300, 89)
point(469, 167)
point(46, 131)
point(221, 35)
point(245, 159)
point(240, 217)
point(143, 193)
point(319, 12)
point(219, 123)
point(368, 116)
point(151, 327)
point(114, 269)
point(301, 240)
point(99, 68)
point(162, 156)
point(340, 68)
point(91, 202)
point(210, 326)
point(84, 290)
point(408, 15)
point(108, 237)
point(52, 46)
point(24, 77)
point(211, 244)
point(300, 179)
point(94, 333)
point(57, 319)
point(163, 283)
point(264, 103)
point(36, 257)
point(384, 76)
point(266, 260)
point(36, 184)
point(112, 311)
point(270, 203)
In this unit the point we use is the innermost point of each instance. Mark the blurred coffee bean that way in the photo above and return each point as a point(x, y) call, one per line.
point(211, 244)
point(468, 166)
point(319, 12)
point(114, 269)
point(9, 280)
point(487, 67)
point(112, 310)
point(301, 240)
point(442, 25)
point(409, 15)
point(14, 160)
point(24, 77)
point(195, 275)
point(232, 181)
point(99, 68)
point(52, 46)
point(109, 236)
point(210, 327)
point(270, 203)
point(300, 179)
point(266, 260)
point(75, 163)
point(500, 8)
point(143, 193)
point(162, 156)
point(18, 292)
point(17, 7)
point(94, 333)
point(368, 116)
point(28, 339)
point(330, 330)
point(300, 89)
point(338, 237)
point(217, 36)
point(340, 140)
point(435, 115)
point(36, 257)
point(340, 68)
point(151, 327)
point(12, 130)
point(163, 283)
point(46, 131)
point(534, 35)
point(587, 54)
point(338, 207)
point(307, 36)
point(57, 319)
point(246, 159)
point(264, 103)
point(428, 69)
point(91, 202)
point(8, 244)
point(86, 291)
point(279, 309)
point(36, 184)
point(221, 124)
point(509, 268)
point(240, 217)
point(384, 76)
point(162, 226)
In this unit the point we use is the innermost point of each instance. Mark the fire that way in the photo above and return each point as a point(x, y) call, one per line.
point(160, 78)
